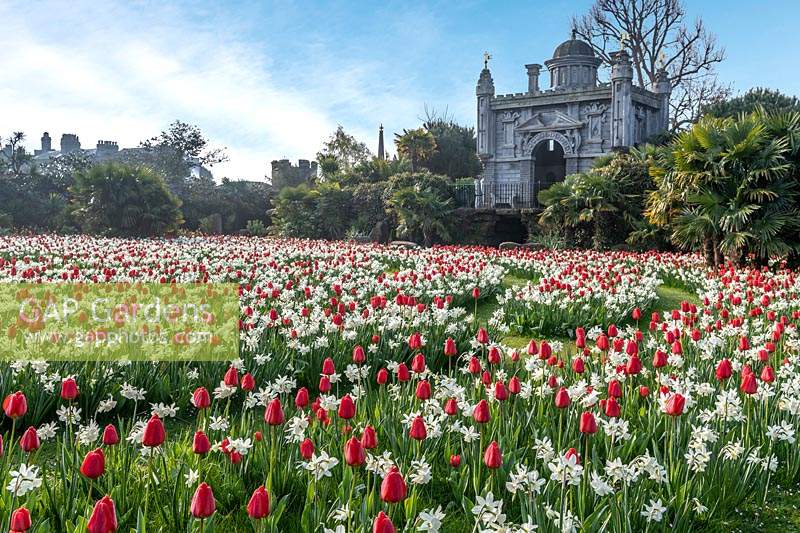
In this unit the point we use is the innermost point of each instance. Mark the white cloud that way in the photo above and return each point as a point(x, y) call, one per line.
point(124, 75)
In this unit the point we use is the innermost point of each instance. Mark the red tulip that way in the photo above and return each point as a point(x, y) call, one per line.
point(274, 413)
point(562, 399)
point(482, 336)
point(614, 389)
point(415, 341)
point(354, 454)
point(612, 331)
point(675, 404)
point(588, 424)
point(532, 348)
point(418, 430)
point(307, 449)
point(382, 377)
point(481, 412)
point(423, 390)
point(231, 378)
point(577, 365)
point(612, 409)
point(200, 398)
point(301, 398)
point(476, 293)
point(659, 359)
point(29, 442)
point(500, 391)
point(110, 436)
point(767, 374)
point(724, 369)
point(383, 524)
point(494, 356)
point(104, 517)
point(634, 365)
point(154, 433)
point(602, 342)
point(744, 344)
point(403, 374)
point(248, 382)
point(369, 440)
point(258, 506)
point(572, 452)
point(200, 444)
point(20, 520)
point(347, 408)
point(94, 464)
point(328, 368)
point(451, 406)
point(393, 487)
point(203, 503)
point(450, 347)
point(358, 355)
point(636, 314)
point(418, 363)
point(324, 384)
point(455, 461)
point(15, 405)
point(492, 457)
point(514, 386)
point(749, 384)
point(69, 389)
point(644, 391)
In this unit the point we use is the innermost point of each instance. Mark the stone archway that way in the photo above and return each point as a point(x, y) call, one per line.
point(549, 151)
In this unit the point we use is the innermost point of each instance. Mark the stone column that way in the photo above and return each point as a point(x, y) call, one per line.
point(533, 77)
point(663, 89)
point(622, 117)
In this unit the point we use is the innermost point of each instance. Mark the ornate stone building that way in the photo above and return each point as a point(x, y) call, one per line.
point(528, 141)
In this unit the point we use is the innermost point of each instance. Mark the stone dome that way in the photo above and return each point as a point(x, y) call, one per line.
point(573, 47)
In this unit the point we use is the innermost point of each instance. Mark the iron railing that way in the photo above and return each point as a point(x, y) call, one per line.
point(496, 195)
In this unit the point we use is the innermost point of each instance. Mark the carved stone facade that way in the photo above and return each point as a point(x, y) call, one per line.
point(527, 141)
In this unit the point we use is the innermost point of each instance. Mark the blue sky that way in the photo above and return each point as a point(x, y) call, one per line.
point(269, 79)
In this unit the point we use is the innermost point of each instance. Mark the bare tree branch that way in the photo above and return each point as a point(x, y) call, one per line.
point(658, 36)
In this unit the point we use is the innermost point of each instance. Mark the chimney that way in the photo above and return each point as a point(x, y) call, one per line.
point(533, 77)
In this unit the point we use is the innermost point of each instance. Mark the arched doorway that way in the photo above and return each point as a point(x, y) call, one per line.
point(548, 166)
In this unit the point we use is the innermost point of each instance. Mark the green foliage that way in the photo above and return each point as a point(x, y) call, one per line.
point(729, 187)
point(416, 145)
point(256, 228)
point(759, 98)
point(421, 212)
point(341, 152)
point(606, 202)
point(456, 149)
point(120, 200)
point(295, 212)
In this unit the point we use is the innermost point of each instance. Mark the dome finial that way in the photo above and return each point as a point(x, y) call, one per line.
point(574, 33)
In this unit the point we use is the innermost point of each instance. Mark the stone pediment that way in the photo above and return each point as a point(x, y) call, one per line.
point(549, 121)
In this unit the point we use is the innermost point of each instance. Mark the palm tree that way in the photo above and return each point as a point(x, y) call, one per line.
point(420, 210)
point(726, 186)
point(416, 145)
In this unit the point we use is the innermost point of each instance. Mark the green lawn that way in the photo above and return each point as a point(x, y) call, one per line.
point(782, 510)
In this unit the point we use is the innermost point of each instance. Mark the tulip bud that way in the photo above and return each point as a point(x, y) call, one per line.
point(369, 440)
point(154, 433)
point(94, 464)
point(203, 502)
point(588, 424)
point(492, 457)
point(383, 524)
point(231, 378)
point(347, 408)
point(562, 399)
point(455, 461)
point(104, 517)
point(200, 398)
point(418, 430)
point(69, 389)
point(15, 405)
point(29, 442)
point(354, 454)
point(307, 449)
point(675, 405)
point(382, 377)
point(200, 443)
point(110, 436)
point(20, 520)
point(423, 390)
point(481, 412)
point(274, 413)
point(393, 487)
point(301, 398)
point(258, 506)
point(248, 382)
